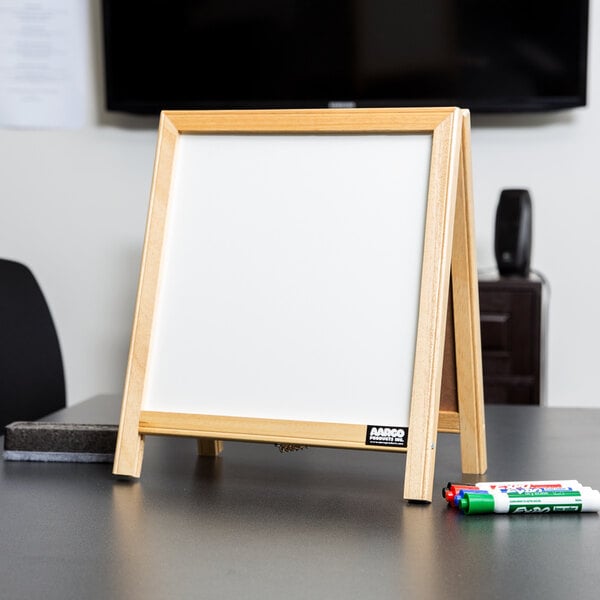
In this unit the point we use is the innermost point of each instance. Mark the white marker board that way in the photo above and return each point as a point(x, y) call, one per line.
point(294, 282)
point(290, 283)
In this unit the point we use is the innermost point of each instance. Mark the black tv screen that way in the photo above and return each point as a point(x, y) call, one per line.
point(486, 55)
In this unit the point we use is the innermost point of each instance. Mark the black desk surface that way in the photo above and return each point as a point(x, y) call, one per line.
point(318, 524)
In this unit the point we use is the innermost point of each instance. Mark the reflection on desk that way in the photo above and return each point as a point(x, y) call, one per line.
point(318, 523)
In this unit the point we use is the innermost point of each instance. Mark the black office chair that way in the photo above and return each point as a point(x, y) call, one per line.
point(32, 382)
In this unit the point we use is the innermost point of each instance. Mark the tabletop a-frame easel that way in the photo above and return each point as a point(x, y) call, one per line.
point(446, 378)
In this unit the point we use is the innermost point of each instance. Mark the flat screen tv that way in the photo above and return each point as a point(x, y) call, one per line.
point(486, 55)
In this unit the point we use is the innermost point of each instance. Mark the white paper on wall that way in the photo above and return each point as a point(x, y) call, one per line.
point(43, 61)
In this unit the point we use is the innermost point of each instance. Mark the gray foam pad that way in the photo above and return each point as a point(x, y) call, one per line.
point(62, 442)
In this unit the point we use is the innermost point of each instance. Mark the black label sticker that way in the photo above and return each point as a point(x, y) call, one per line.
point(384, 435)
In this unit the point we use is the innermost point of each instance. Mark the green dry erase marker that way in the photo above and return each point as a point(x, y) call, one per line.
point(560, 501)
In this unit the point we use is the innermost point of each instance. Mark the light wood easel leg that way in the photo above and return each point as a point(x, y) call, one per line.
point(469, 373)
point(130, 443)
point(208, 447)
point(129, 453)
point(433, 307)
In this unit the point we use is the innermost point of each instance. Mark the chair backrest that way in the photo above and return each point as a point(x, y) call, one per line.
point(32, 382)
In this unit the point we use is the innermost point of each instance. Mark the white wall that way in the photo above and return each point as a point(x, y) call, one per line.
point(74, 208)
point(556, 157)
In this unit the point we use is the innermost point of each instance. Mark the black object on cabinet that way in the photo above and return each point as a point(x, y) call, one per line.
point(512, 243)
point(511, 332)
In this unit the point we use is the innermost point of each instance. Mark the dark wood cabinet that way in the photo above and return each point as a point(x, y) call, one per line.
point(511, 339)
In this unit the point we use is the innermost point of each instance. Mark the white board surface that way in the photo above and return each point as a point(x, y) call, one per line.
point(290, 279)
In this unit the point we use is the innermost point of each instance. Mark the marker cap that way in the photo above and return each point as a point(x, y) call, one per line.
point(473, 504)
point(453, 489)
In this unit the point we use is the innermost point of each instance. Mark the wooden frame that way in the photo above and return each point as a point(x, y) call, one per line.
point(448, 248)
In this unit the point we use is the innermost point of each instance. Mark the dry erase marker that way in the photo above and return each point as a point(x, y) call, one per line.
point(524, 485)
point(451, 491)
point(558, 501)
point(537, 490)
point(536, 487)
point(461, 493)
